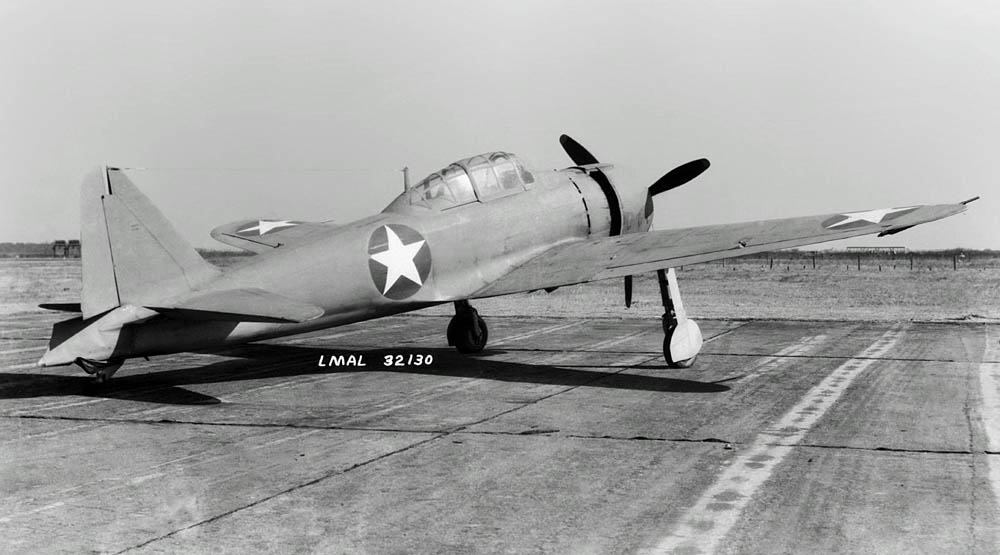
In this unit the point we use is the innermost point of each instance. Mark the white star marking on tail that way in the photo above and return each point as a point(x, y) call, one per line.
point(263, 226)
point(873, 216)
point(398, 260)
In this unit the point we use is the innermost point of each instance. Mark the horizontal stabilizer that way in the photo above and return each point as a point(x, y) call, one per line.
point(240, 305)
point(259, 236)
point(61, 307)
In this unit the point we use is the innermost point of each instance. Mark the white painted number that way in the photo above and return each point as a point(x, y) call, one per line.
point(407, 360)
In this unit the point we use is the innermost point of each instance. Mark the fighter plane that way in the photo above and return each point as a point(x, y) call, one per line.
point(481, 227)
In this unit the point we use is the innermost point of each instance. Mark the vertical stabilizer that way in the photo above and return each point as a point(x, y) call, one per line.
point(131, 254)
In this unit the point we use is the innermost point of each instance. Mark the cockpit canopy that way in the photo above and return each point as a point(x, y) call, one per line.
point(479, 178)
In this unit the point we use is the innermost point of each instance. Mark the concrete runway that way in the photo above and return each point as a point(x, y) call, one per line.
point(564, 436)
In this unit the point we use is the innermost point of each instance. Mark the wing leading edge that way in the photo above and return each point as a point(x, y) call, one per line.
point(625, 255)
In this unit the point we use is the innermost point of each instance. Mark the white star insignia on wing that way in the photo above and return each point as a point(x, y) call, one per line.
point(398, 260)
point(873, 216)
point(263, 226)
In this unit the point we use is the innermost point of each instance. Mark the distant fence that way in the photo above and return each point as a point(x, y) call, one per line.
point(880, 250)
point(863, 261)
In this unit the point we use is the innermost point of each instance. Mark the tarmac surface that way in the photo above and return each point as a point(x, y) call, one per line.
point(564, 436)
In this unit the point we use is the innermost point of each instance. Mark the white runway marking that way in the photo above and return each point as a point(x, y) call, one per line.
point(25, 317)
point(453, 386)
point(138, 480)
point(805, 346)
point(26, 437)
point(586, 351)
point(309, 379)
point(114, 483)
point(339, 334)
point(25, 350)
point(25, 330)
point(285, 439)
point(22, 366)
point(55, 505)
point(539, 331)
point(703, 526)
point(989, 380)
point(61, 405)
point(614, 342)
point(442, 338)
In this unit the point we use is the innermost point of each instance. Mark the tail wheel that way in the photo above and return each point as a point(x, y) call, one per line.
point(102, 370)
point(468, 333)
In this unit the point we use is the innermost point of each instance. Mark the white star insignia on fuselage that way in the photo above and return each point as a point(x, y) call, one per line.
point(263, 226)
point(398, 260)
point(873, 216)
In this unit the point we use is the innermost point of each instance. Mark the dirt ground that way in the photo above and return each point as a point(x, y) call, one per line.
point(736, 290)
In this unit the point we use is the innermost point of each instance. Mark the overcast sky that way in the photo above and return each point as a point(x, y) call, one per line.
point(307, 110)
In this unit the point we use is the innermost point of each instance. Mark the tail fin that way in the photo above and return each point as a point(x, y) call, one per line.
point(131, 254)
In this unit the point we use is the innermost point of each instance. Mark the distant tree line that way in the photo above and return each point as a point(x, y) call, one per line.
point(25, 249)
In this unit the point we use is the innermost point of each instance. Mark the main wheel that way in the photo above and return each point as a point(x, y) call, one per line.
point(468, 333)
point(686, 363)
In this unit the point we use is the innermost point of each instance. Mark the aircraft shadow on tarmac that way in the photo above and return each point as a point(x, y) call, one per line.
point(268, 361)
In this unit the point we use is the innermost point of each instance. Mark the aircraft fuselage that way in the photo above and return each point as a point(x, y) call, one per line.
point(464, 249)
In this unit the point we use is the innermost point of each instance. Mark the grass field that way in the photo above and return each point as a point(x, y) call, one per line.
point(791, 289)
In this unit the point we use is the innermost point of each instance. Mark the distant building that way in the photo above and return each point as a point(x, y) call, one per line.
point(881, 250)
point(66, 249)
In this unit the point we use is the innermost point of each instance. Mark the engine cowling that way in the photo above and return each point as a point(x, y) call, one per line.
point(595, 205)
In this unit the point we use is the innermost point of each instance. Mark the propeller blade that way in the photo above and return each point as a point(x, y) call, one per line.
point(678, 176)
point(628, 291)
point(576, 152)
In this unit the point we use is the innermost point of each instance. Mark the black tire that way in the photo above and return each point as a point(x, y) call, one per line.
point(686, 363)
point(469, 335)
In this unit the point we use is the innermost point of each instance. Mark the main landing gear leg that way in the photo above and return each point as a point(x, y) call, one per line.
point(101, 369)
point(467, 331)
point(681, 335)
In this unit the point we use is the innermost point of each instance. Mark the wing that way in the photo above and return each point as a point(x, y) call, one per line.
point(624, 255)
point(263, 235)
